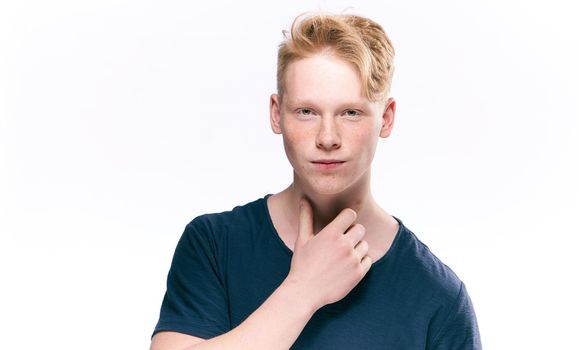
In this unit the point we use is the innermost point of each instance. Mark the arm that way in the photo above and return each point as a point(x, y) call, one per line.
point(276, 324)
point(324, 268)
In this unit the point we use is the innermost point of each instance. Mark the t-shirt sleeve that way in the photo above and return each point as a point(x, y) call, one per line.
point(460, 329)
point(195, 302)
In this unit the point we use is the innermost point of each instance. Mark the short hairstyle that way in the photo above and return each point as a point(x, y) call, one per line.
point(354, 39)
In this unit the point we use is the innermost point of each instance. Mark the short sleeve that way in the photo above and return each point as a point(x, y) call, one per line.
point(460, 331)
point(195, 302)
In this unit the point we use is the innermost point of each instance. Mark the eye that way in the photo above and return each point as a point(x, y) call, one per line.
point(352, 113)
point(305, 111)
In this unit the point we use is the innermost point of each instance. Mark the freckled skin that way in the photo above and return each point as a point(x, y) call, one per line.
point(318, 120)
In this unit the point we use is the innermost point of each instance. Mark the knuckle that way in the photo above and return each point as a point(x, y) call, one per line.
point(364, 267)
point(359, 271)
point(344, 248)
point(360, 228)
point(353, 261)
point(364, 245)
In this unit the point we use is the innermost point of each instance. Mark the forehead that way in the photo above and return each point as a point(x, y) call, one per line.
point(325, 79)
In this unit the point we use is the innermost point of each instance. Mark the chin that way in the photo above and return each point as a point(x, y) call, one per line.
point(327, 185)
point(328, 188)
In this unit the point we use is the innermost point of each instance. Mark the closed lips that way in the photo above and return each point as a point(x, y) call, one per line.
point(328, 161)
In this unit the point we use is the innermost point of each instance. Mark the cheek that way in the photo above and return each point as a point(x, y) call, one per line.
point(294, 140)
point(293, 145)
point(367, 141)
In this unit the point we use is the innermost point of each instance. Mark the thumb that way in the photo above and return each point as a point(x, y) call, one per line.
point(306, 224)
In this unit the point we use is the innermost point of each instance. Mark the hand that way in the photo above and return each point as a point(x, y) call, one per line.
point(330, 264)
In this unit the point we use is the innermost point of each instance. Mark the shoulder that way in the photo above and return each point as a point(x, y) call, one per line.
point(452, 318)
point(426, 269)
point(219, 224)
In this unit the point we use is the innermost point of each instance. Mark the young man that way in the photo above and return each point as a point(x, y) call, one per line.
point(319, 265)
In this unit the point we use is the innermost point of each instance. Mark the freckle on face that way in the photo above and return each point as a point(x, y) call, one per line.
point(326, 85)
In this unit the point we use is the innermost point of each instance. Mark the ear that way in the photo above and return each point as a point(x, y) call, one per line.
point(274, 113)
point(388, 118)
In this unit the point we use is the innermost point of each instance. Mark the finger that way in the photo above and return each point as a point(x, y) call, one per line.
point(306, 224)
point(361, 250)
point(342, 222)
point(355, 234)
point(366, 264)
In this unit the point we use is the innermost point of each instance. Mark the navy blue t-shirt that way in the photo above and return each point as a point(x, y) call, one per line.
point(227, 264)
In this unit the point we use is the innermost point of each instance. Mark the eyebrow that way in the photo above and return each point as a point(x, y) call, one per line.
point(306, 102)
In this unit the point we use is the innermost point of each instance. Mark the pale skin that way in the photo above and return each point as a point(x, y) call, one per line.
point(327, 216)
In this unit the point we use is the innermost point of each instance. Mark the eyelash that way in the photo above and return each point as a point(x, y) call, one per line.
point(305, 109)
point(346, 112)
point(353, 110)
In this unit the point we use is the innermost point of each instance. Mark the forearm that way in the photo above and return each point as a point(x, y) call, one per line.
point(276, 324)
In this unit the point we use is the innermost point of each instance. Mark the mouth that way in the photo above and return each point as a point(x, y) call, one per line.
point(327, 164)
point(328, 161)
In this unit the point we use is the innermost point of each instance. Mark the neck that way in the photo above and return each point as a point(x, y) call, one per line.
point(327, 206)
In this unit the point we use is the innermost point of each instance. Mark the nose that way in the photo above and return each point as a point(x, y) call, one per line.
point(328, 137)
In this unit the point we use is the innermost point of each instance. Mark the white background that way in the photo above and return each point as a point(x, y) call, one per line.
point(120, 121)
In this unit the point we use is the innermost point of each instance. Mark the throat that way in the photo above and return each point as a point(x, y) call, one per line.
point(381, 228)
